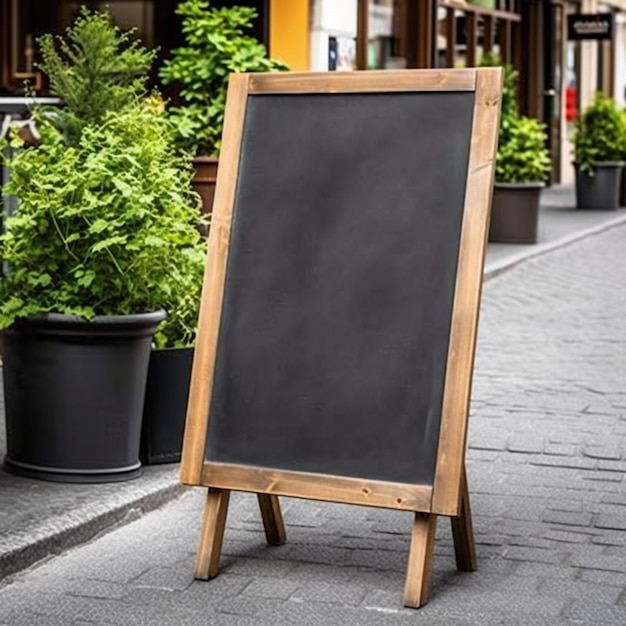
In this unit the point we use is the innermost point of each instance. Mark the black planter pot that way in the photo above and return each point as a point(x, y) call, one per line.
point(165, 407)
point(515, 212)
point(74, 394)
point(602, 190)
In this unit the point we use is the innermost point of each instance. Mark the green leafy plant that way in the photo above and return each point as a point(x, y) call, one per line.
point(105, 227)
point(94, 69)
point(522, 154)
point(600, 134)
point(106, 218)
point(216, 46)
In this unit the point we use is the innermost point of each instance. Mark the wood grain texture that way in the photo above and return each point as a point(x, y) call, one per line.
point(212, 534)
point(463, 532)
point(272, 519)
point(420, 560)
point(201, 386)
point(370, 81)
point(462, 346)
point(318, 487)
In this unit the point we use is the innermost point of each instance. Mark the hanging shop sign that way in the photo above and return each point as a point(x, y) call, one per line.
point(597, 26)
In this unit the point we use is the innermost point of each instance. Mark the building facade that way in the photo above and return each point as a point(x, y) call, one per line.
point(557, 76)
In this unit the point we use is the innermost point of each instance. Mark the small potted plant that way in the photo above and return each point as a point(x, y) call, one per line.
point(599, 148)
point(216, 45)
point(522, 166)
point(91, 259)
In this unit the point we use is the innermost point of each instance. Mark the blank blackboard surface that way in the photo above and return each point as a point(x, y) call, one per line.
point(340, 283)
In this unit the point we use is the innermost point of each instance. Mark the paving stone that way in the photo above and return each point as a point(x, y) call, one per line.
point(527, 445)
point(545, 570)
point(349, 594)
point(578, 612)
point(595, 594)
point(614, 539)
point(533, 555)
point(615, 498)
point(268, 587)
point(476, 454)
point(612, 522)
point(612, 466)
point(568, 518)
point(601, 562)
point(559, 449)
point(567, 537)
point(611, 477)
point(566, 462)
point(253, 566)
point(606, 453)
point(245, 606)
point(171, 579)
point(28, 618)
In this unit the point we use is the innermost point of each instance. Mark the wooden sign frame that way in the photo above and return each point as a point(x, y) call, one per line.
point(449, 494)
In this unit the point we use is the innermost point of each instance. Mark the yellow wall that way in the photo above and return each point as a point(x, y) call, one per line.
point(289, 32)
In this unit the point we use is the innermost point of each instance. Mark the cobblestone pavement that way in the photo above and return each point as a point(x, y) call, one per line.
point(546, 466)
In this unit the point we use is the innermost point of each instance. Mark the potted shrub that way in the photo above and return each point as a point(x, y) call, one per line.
point(599, 148)
point(169, 372)
point(104, 225)
point(522, 166)
point(216, 45)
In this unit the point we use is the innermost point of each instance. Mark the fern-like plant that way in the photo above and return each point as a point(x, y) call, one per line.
point(93, 69)
point(217, 44)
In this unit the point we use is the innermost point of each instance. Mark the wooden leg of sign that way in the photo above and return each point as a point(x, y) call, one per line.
point(420, 559)
point(272, 519)
point(463, 533)
point(212, 534)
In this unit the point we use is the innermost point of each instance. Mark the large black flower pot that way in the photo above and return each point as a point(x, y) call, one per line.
point(74, 393)
point(515, 212)
point(600, 190)
point(165, 407)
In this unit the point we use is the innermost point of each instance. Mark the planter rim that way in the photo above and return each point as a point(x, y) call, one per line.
point(174, 348)
point(604, 164)
point(61, 320)
point(528, 185)
point(205, 159)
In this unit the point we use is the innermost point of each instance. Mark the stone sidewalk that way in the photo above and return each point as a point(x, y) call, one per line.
point(546, 464)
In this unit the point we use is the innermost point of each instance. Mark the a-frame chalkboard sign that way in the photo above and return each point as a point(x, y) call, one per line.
point(338, 321)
